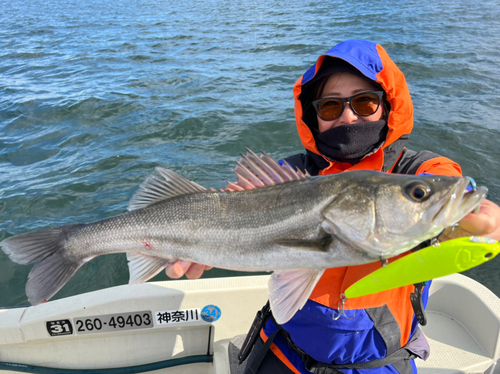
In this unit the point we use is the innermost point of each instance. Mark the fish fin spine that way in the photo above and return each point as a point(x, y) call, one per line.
point(253, 171)
point(155, 189)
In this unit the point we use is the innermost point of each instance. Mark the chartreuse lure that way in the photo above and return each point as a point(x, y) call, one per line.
point(452, 256)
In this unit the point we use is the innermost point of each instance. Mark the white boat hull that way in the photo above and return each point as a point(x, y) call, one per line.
point(86, 332)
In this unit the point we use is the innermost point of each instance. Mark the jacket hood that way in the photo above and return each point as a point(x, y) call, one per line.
point(373, 62)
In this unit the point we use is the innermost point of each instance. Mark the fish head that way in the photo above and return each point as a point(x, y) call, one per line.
point(388, 214)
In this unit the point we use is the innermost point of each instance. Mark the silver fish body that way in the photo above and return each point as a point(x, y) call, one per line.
point(246, 230)
point(312, 223)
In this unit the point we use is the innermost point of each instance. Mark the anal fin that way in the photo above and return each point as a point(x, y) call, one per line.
point(142, 268)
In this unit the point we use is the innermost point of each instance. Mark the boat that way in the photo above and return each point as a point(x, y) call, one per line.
point(197, 326)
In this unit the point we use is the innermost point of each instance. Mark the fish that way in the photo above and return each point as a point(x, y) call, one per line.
point(274, 218)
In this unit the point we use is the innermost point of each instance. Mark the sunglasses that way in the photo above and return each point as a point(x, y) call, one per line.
point(363, 104)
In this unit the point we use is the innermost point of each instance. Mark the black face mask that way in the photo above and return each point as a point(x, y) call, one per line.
point(350, 143)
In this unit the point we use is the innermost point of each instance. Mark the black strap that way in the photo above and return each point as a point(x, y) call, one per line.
point(253, 367)
point(311, 364)
point(417, 303)
point(317, 367)
point(321, 368)
point(253, 333)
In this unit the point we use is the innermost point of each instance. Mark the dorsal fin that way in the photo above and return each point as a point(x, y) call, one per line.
point(155, 189)
point(253, 171)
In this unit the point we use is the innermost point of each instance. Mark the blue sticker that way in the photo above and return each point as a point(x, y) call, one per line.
point(210, 313)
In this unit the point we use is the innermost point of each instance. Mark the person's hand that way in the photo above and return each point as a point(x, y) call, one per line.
point(484, 223)
point(192, 270)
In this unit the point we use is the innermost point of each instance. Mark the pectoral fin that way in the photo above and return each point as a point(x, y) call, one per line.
point(289, 291)
point(321, 244)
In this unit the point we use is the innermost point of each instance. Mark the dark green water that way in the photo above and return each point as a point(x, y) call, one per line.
point(95, 94)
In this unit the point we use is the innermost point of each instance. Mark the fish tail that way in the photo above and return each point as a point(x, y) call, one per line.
point(54, 263)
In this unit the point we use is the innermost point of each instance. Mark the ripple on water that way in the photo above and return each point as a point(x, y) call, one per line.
point(95, 95)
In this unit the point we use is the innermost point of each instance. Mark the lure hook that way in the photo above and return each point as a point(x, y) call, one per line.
point(341, 309)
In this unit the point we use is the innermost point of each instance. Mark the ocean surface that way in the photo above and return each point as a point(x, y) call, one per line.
point(95, 94)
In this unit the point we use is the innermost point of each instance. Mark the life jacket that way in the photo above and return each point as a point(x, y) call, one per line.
point(372, 327)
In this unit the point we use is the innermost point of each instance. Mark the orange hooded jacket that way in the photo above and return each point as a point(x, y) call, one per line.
point(373, 62)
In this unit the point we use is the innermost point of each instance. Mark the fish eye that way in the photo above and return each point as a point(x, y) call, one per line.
point(418, 191)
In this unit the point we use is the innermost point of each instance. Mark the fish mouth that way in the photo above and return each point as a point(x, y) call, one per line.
point(464, 198)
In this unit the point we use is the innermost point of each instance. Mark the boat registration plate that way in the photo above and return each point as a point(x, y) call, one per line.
point(113, 322)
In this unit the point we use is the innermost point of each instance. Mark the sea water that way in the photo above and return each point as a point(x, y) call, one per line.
point(95, 94)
